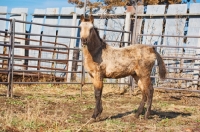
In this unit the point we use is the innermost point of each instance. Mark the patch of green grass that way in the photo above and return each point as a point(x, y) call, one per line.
point(163, 104)
point(77, 116)
point(3, 113)
point(15, 102)
point(30, 97)
point(198, 120)
point(26, 124)
point(67, 130)
point(88, 107)
point(164, 122)
point(15, 121)
point(71, 97)
point(33, 125)
point(73, 120)
point(114, 121)
point(190, 109)
point(115, 125)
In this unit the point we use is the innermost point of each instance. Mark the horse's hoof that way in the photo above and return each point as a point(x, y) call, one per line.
point(92, 120)
point(146, 117)
point(136, 115)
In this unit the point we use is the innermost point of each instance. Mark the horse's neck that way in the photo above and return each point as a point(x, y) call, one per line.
point(95, 44)
point(93, 50)
point(92, 54)
point(86, 53)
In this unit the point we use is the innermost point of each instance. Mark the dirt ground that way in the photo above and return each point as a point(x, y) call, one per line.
point(59, 108)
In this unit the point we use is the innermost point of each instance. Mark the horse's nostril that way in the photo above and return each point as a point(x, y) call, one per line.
point(84, 40)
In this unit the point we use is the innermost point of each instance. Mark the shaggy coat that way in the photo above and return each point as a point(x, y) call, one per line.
point(104, 61)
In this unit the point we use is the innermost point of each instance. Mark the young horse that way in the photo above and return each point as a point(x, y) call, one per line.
point(103, 61)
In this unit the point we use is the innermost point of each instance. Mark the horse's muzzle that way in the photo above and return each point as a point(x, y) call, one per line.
point(84, 40)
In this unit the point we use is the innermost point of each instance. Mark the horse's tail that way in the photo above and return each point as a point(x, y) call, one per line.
point(161, 66)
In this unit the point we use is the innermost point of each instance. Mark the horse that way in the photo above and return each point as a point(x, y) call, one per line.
point(104, 61)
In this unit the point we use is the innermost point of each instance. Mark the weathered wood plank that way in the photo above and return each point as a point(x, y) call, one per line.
point(175, 26)
point(100, 23)
point(115, 24)
point(119, 10)
point(79, 11)
point(49, 31)
point(194, 26)
point(72, 45)
point(3, 11)
point(140, 10)
point(78, 41)
point(35, 29)
point(194, 30)
point(67, 21)
point(153, 25)
point(19, 14)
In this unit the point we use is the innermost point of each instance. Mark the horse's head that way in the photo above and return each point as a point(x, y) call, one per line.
point(86, 26)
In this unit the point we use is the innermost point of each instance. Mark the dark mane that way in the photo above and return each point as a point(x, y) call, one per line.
point(102, 42)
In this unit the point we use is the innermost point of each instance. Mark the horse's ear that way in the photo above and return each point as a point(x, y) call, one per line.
point(82, 18)
point(92, 19)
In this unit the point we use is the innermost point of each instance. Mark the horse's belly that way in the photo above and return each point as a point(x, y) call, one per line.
point(115, 75)
point(119, 72)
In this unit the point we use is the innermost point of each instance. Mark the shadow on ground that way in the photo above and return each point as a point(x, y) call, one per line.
point(169, 114)
point(160, 114)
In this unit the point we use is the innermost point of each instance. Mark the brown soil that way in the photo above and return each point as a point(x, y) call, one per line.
point(53, 108)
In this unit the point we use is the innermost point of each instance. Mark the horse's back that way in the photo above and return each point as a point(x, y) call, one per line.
point(120, 62)
point(139, 52)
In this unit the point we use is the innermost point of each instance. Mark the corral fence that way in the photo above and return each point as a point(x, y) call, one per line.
point(50, 52)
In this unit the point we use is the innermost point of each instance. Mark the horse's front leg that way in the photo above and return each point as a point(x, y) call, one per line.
point(98, 86)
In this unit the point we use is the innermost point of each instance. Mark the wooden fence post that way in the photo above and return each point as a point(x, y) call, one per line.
point(72, 44)
point(126, 39)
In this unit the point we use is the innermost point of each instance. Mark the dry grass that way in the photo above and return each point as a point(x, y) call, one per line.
point(51, 108)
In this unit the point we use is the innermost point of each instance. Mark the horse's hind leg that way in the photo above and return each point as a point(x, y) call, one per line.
point(146, 87)
point(147, 95)
point(150, 92)
point(144, 98)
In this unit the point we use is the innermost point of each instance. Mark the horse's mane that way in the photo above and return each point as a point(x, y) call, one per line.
point(97, 33)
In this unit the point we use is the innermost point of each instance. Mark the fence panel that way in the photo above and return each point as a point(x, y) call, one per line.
point(35, 40)
point(19, 14)
point(64, 42)
point(49, 54)
point(3, 11)
point(116, 22)
point(174, 20)
point(138, 26)
point(153, 25)
point(194, 29)
point(175, 25)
